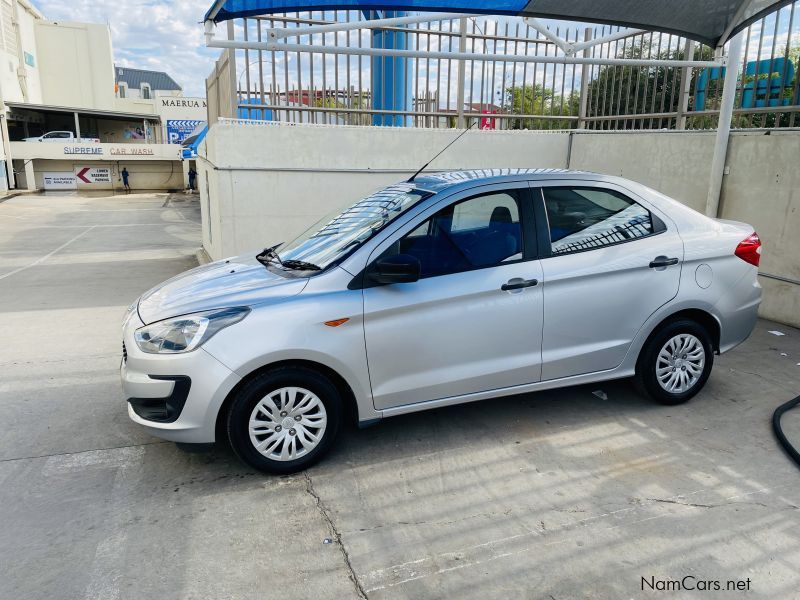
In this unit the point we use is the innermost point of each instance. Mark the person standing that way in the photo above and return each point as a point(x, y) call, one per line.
point(125, 176)
point(192, 178)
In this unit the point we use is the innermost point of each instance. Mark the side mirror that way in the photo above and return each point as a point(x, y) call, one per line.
point(400, 268)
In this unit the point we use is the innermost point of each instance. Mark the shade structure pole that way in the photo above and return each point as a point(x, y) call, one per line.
point(724, 126)
point(391, 75)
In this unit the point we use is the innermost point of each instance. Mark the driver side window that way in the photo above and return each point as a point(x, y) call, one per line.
point(480, 232)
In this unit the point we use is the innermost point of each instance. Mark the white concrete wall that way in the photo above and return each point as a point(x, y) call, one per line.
point(674, 163)
point(76, 64)
point(267, 183)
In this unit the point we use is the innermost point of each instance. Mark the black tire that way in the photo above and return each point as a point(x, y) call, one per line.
point(646, 379)
point(246, 400)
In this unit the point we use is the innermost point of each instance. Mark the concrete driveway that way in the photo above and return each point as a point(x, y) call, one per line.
point(562, 494)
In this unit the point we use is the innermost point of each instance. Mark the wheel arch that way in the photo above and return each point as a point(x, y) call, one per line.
point(348, 396)
point(702, 317)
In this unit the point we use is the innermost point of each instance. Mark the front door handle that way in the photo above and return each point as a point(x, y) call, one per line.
point(660, 262)
point(518, 283)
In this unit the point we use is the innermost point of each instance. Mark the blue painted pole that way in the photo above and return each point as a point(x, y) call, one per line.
point(391, 76)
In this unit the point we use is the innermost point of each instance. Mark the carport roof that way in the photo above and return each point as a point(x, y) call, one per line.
point(90, 112)
point(710, 21)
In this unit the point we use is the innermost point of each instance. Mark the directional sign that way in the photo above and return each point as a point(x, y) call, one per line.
point(93, 174)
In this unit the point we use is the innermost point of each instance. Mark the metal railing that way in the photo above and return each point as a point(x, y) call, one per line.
point(507, 90)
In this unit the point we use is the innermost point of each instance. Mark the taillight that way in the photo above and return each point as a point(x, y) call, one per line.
point(749, 250)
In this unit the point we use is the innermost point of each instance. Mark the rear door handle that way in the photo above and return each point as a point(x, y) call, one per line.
point(518, 283)
point(660, 262)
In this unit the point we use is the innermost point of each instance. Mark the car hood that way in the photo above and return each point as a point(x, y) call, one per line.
point(240, 281)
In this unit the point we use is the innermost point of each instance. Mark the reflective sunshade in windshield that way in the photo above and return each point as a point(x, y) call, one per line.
point(340, 233)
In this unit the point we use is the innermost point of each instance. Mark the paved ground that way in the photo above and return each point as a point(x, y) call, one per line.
point(553, 495)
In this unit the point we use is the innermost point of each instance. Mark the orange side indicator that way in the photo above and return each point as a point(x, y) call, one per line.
point(336, 322)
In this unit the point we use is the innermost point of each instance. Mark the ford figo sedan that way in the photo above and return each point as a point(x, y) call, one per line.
point(450, 288)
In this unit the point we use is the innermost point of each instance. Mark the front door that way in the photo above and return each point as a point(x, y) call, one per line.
point(473, 322)
point(613, 263)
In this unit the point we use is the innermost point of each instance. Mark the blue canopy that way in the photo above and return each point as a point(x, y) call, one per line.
point(710, 21)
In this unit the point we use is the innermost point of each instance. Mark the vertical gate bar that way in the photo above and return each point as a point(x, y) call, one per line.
point(427, 119)
point(336, 88)
point(563, 68)
point(633, 73)
point(620, 85)
point(768, 99)
point(437, 100)
point(363, 104)
point(299, 90)
point(462, 67)
point(521, 122)
point(686, 80)
point(655, 81)
point(584, 91)
point(503, 90)
point(246, 73)
point(601, 109)
point(789, 29)
point(449, 68)
point(233, 97)
point(666, 79)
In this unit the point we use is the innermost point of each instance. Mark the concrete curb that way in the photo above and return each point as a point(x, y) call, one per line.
point(202, 256)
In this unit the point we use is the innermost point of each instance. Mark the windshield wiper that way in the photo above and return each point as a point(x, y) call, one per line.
point(268, 255)
point(299, 265)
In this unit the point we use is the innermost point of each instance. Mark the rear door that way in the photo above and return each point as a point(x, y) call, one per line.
point(612, 262)
point(473, 322)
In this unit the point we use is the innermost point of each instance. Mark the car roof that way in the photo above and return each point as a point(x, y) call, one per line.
point(445, 180)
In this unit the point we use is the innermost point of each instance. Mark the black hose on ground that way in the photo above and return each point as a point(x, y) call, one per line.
point(776, 426)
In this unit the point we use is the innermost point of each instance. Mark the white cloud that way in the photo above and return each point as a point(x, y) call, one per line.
point(150, 34)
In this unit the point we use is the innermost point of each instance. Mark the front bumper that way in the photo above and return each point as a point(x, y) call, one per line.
point(175, 397)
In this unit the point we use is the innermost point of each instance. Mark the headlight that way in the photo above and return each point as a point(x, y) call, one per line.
point(186, 333)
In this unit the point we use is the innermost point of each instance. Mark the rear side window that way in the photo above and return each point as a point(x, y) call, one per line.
point(585, 218)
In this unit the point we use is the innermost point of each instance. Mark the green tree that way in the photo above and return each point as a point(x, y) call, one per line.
point(539, 100)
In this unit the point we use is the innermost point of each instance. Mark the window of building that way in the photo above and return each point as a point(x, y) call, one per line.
point(123, 90)
point(587, 218)
point(146, 94)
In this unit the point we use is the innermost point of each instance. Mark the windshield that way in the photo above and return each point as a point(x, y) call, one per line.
point(343, 231)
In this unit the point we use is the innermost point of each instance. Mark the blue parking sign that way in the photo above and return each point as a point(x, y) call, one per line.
point(179, 130)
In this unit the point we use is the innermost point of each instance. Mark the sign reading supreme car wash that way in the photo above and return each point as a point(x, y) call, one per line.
point(93, 175)
point(60, 181)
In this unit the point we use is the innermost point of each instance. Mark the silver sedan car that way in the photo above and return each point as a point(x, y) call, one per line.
point(450, 288)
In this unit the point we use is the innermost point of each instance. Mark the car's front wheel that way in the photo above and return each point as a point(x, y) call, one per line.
point(676, 362)
point(284, 420)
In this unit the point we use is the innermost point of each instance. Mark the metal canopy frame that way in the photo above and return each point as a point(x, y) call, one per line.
point(274, 36)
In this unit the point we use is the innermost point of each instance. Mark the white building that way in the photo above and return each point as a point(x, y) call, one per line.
point(60, 76)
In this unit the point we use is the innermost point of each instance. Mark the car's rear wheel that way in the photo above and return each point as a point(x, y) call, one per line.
point(676, 362)
point(284, 420)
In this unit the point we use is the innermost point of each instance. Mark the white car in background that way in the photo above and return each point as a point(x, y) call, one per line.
point(445, 289)
point(63, 137)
